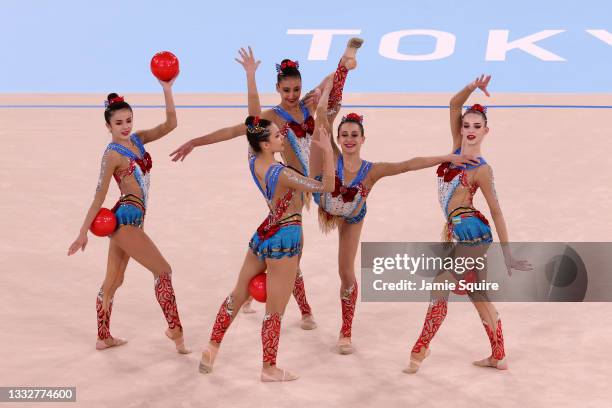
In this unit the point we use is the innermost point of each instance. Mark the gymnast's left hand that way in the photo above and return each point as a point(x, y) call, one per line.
point(79, 243)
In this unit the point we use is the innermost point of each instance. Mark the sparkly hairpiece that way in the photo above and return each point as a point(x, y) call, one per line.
point(352, 117)
point(114, 100)
point(477, 108)
point(287, 64)
point(255, 128)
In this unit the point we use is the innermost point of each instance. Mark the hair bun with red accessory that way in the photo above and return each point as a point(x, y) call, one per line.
point(478, 108)
point(353, 117)
point(117, 99)
point(287, 64)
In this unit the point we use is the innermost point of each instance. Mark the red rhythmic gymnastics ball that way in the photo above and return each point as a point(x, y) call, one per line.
point(165, 65)
point(257, 287)
point(104, 224)
point(469, 277)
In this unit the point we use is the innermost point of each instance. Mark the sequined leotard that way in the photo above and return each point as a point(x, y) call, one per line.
point(130, 209)
point(280, 234)
point(346, 201)
point(299, 135)
point(465, 224)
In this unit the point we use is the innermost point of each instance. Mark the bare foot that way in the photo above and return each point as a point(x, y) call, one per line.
point(208, 359)
point(247, 307)
point(491, 362)
point(415, 361)
point(345, 346)
point(275, 374)
point(176, 335)
point(349, 59)
point(308, 322)
point(110, 342)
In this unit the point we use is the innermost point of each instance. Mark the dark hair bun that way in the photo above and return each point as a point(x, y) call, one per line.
point(287, 69)
point(113, 103)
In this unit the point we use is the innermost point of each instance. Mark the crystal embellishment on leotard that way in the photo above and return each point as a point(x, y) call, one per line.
point(345, 200)
point(299, 135)
point(305, 181)
point(450, 177)
point(271, 225)
point(140, 167)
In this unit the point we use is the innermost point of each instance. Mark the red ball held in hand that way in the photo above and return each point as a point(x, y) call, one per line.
point(257, 287)
point(104, 224)
point(165, 65)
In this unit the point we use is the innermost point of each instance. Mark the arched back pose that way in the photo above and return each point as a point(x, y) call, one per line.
point(274, 247)
point(293, 117)
point(457, 186)
point(345, 207)
point(126, 160)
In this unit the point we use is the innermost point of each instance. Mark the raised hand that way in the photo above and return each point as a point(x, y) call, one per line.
point(247, 60)
point(182, 152)
point(168, 84)
point(481, 83)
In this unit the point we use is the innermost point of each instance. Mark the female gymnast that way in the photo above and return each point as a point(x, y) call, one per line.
point(275, 246)
point(126, 160)
point(345, 207)
point(457, 186)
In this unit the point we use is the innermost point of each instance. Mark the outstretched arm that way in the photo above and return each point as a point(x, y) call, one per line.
point(170, 124)
point(380, 170)
point(217, 136)
point(110, 162)
point(457, 102)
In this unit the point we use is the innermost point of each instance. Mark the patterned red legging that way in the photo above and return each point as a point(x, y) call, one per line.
point(335, 96)
point(224, 318)
point(348, 301)
point(433, 320)
point(103, 316)
point(496, 338)
point(164, 292)
point(299, 293)
point(270, 336)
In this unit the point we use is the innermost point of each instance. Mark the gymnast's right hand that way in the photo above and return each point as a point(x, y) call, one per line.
point(182, 151)
point(79, 243)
